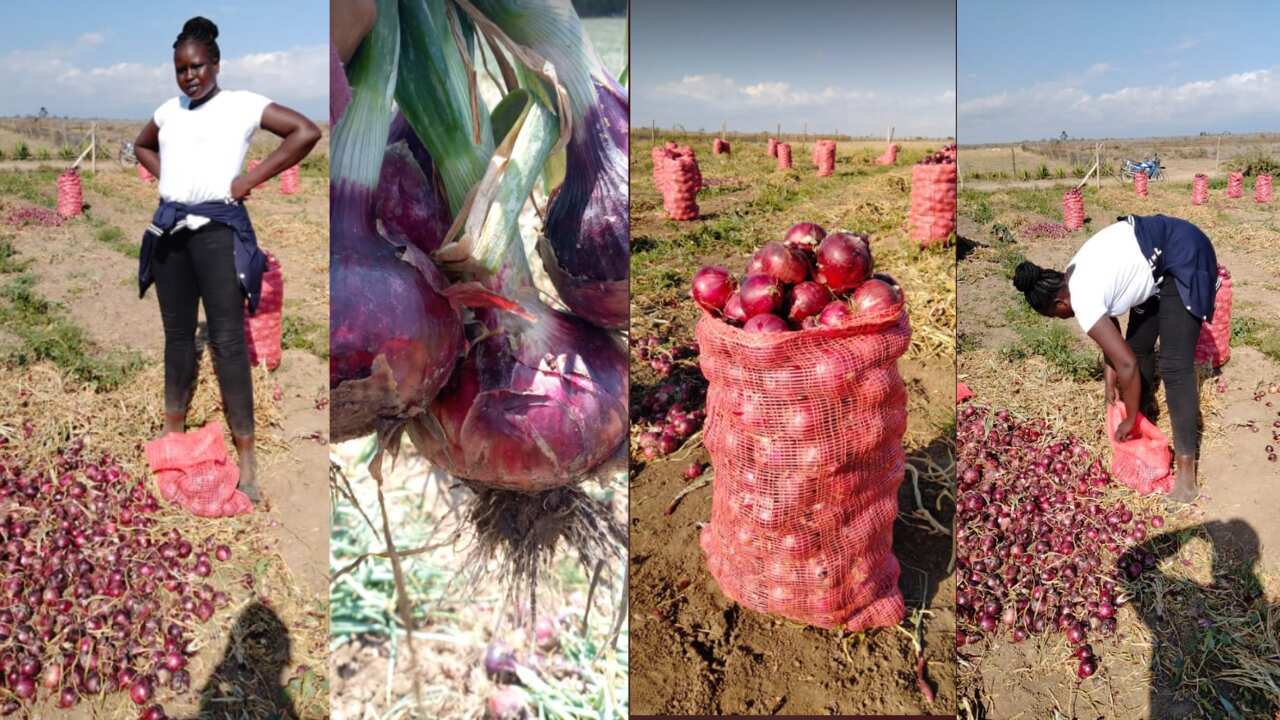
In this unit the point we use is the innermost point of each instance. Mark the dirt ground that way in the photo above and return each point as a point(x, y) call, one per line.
point(1233, 521)
point(697, 652)
point(88, 269)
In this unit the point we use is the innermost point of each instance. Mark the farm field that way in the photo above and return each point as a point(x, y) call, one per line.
point(693, 650)
point(1046, 163)
point(84, 354)
point(1197, 633)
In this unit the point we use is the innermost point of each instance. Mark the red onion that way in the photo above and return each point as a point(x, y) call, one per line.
point(874, 296)
point(835, 314)
point(712, 288)
point(760, 294)
point(785, 264)
point(766, 323)
point(844, 261)
point(805, 236)
point(733, 311)
point(806, 299)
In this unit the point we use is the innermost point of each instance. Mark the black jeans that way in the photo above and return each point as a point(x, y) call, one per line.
point(195, 266)
point(1167, 318)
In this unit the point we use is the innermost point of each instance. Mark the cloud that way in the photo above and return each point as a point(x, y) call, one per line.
point(1187, 44)
point(709, 99)
point(1044, 109)
point(57, 78)
point(721, 90)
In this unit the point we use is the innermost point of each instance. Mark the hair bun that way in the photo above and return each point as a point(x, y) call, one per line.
point(1026, 275)
point(201, 27)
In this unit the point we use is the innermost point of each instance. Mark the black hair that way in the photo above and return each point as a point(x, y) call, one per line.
point(1040, 285)
point(201, 30)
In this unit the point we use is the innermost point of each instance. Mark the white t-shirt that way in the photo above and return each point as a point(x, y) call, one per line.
point(202, 150)
point(1111, 275)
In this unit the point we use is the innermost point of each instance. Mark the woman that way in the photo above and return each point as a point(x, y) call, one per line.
point(200, 246)
point(1162, 271)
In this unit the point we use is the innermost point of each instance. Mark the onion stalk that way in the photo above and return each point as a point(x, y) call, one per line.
point(586, 243)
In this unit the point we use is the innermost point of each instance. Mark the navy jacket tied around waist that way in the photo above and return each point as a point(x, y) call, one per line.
point(251, 263)
point(1176, 247)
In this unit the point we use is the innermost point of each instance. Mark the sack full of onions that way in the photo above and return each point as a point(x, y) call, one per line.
point(933, 199)
point(442, 336)
point(805, 417)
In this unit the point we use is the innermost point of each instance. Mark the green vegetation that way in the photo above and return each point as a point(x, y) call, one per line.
point(21, 151)
point(1258, 334)
point(975, 205)
point(113, 237)
point(46, 334)
point(1052, 340)
point(36, 186)
point(1254, 163)
point(298, 333)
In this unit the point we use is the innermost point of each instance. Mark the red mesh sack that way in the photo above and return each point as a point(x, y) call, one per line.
point(144, 174)
point(784, 156)
point(890, 155)
point(962, 393)
point(720, 147)
point(659, 156)
point(1142, 462)
point(1235, 185)
point(193, 471)
point(70, 195)
point(262, 330)
point(1214, 345)
point(825, 153)
point(1073, 210)
point(773, 147)
point(805, 433)
point(1140, 184)
point(253, 164)
point(290, 181)
point(1262, 189)
point(680, 199)
point(933, 203)
point(1199, 189)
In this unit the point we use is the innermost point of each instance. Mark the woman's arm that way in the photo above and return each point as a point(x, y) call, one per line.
point(300, 136)
point(146, 147)
point(1120, 358)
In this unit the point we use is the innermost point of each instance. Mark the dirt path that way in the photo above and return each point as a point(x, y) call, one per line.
point(86, 266)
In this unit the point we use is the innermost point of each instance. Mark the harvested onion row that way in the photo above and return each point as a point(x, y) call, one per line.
point(1036, 548)
point(92, 600)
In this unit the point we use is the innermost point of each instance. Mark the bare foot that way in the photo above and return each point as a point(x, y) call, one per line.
point(174, 423)
point(1184, 489)
point(248, 468)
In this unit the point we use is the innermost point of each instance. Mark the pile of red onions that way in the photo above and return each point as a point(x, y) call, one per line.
point(946, 155)
point(93, 598)
point(809, 280)
point(1035, 231)
point(1036, 547)
point(33, 216)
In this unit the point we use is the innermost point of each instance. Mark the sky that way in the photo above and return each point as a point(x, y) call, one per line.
point(1103, 69)
point(858, 67)
point(115, 59)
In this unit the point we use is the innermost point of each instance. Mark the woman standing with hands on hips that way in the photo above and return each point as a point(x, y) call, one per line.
point(200, 245)
point(1162, 271)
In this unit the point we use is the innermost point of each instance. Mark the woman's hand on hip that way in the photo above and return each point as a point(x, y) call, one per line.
point(241, 187)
